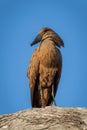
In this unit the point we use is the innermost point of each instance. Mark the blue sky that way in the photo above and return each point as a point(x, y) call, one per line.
point(20, 20)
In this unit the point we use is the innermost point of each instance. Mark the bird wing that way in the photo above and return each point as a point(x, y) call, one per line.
point(33, 72)
point(56, 81)
point(58, 73)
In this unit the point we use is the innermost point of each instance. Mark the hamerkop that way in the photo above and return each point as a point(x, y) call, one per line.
point(45, 66)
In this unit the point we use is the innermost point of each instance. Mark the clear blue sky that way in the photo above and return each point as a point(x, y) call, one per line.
point(20, 21)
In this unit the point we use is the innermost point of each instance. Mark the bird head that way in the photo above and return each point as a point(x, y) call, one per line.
point(47, 33)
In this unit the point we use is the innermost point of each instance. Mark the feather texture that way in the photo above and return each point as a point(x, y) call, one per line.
point(45, 68)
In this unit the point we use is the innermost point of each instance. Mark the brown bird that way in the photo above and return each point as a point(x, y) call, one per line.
point(44, 71)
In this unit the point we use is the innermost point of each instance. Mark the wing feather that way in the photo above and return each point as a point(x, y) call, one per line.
point(33, 72)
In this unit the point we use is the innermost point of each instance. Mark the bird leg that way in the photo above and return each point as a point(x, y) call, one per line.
point(42, 96)
point(53, 95)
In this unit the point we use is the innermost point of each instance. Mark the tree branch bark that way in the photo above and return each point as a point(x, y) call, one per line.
point(48, 118)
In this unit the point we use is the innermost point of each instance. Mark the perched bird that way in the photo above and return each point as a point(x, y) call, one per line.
point(45, 66)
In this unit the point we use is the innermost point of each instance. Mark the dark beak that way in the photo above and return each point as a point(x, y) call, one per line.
point(37, 39)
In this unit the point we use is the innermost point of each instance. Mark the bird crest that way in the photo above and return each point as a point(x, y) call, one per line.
point(47, 33)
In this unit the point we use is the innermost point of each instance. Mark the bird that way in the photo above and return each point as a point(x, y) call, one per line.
point(44, 70)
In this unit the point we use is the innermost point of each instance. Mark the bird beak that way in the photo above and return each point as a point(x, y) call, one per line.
point(37, 39)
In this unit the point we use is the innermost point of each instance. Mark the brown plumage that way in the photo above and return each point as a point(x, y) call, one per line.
point(45, 68)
